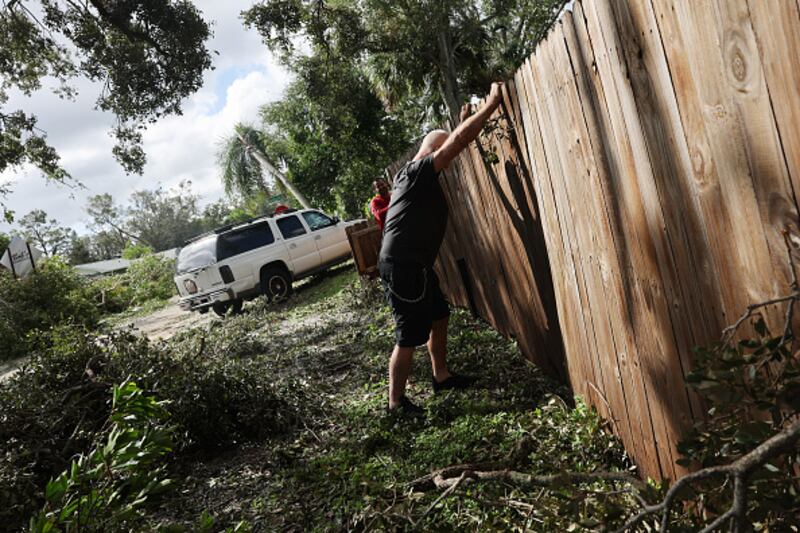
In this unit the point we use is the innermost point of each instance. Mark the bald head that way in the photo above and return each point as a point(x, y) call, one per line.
point(431, 143)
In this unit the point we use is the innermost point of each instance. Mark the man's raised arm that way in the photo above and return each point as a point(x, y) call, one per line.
point(468, 130)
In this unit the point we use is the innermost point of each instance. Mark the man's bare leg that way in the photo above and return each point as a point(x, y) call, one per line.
point(399, 370)
point(437, 348)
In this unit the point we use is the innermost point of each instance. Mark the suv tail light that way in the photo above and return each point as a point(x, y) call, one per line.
point(191, 286)
point(225, 272)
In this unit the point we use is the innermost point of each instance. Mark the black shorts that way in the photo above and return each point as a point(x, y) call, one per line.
point(416, 300)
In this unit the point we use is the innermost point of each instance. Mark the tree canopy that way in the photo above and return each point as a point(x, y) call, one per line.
point(147, 56)
point(164, 219)
point(332, 134)
point(371, 75)
point(45, 233)
point(428, 54)
point(241, 172)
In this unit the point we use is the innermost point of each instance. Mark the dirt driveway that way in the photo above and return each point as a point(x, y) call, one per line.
point(166, 322)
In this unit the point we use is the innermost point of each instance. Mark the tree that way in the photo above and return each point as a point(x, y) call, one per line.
point(4, 241)
point(244, 165)
point(214, 215)
point(429, 53)
point(107, 245)
point(81, 250)
point(241, 172)
point(108, 225)
point(46, 234)
point(164, 219)
point(332, 134)
point(147, 56)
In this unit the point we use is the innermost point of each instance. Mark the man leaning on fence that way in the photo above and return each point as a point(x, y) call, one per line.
point(415, 226)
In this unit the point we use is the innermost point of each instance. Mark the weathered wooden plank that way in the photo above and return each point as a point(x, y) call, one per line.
point(703, 173)
point(595, 243)
point(541, 93)
point(524, 252)
point(672, 221)
point(684, 260)
point(636, 202)
point(568, 148)
point(729, 104)
point(765, 157)
point(482, 253)
point(612, 257)
point(493, 309)
point(689, 272)
point(556, 233)
point(777, 29)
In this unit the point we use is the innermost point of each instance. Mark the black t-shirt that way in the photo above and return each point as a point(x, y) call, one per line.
point(417, 215)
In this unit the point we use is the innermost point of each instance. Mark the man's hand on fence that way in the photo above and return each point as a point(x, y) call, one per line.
point(495, 95)
point(466, 111)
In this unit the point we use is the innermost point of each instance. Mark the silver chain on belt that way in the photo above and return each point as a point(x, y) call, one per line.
point(421, 296)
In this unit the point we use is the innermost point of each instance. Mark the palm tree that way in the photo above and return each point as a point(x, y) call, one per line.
point(244, 164)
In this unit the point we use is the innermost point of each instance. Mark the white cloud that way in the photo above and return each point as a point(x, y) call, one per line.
point(245, 76)
point(185, 147)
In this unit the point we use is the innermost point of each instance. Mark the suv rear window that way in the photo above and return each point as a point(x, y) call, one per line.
point(291, 227)
point(197, 255)
point(240, 241)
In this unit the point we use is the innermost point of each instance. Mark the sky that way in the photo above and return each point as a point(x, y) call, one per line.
point(178, 148)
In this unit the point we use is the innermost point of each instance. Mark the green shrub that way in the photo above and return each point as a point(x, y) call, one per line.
point(107, 488)
point(135, 251)
point(54, 407)
point(151, 278)
point(111, 294)
point(53, 294)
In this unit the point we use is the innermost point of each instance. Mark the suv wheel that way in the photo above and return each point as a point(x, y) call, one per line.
point(275, 284)
point(222, 308)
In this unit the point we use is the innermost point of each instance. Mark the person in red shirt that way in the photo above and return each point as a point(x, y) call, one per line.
point(380, 204)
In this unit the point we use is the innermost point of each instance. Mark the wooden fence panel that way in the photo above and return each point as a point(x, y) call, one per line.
point(629, 200)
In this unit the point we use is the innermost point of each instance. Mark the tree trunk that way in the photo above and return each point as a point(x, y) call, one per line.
point(448, 85)
point(275, 172)
point(266, 165)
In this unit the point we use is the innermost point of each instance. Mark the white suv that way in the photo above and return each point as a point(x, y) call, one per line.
point(221, 269)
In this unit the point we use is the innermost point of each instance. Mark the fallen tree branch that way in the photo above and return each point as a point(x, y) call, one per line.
point(727, 333)
point(449, 490)
point(738, 471)
point(447, 477)
point(792, 298)
point(426, 483)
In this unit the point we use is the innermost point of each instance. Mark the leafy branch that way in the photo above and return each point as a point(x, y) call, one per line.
point(739, 472)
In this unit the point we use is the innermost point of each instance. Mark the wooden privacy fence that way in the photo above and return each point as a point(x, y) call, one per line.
point(630, 200)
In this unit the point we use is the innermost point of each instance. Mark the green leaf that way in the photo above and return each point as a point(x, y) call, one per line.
point(207, 521)
point(753, 432)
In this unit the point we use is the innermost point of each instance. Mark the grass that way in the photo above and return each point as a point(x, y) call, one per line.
point(349, 464)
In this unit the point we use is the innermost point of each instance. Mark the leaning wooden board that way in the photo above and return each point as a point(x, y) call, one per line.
point(365, 243)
